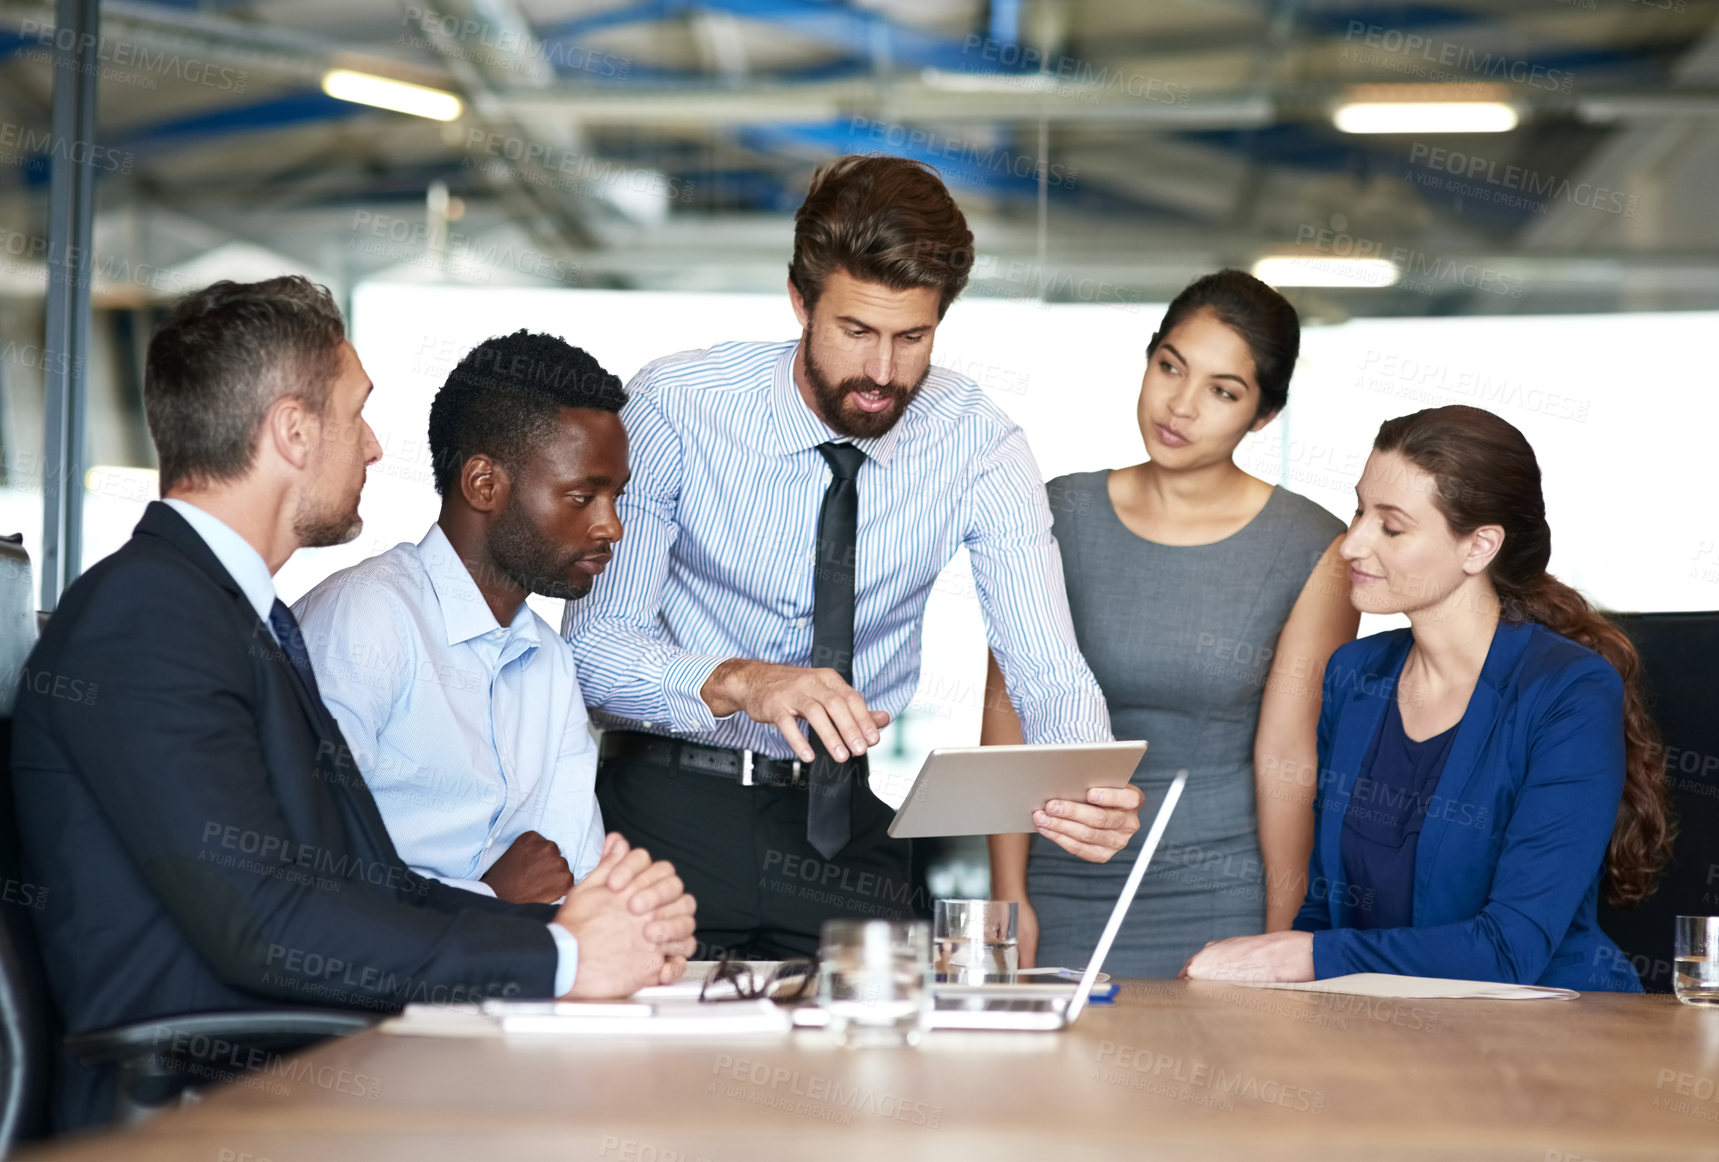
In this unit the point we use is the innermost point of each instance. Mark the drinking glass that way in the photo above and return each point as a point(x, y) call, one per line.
point(873, 982)
point(1697, 960)
point(976, 940)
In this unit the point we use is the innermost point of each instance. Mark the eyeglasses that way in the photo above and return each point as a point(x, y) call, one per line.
point(787, 983)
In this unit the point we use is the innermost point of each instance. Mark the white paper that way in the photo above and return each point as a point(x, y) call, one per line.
point(692, 981)
point(1385, 984)
point(667, 1018)
point(575, 1019)
point(441, 1021)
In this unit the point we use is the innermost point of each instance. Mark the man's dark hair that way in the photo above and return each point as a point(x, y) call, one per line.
point(503, 397)
point(220, 360)
point(882, 219)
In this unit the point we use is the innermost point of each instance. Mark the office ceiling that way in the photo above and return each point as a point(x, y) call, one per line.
point(1104, 150)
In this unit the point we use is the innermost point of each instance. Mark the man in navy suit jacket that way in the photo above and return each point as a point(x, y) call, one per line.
point(182, 790)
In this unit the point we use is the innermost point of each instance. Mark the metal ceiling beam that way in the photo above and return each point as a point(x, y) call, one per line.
point(939, 97)
point(1632, 159)
point(999, 99)
point(265, 49)
point(1134, 255)
point(559, 222)
point(855, 32)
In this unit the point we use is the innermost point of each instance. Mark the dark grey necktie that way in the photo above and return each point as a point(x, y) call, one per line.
point(829, 813)
point(291, 638)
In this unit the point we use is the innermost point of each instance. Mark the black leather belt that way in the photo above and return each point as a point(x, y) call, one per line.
point(748, 768)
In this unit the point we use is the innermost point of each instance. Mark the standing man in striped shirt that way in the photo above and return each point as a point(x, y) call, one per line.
point(791, 506)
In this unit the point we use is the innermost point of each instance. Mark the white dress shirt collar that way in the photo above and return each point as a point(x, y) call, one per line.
point(799, 427)
point(237, 555)
point(465, 613)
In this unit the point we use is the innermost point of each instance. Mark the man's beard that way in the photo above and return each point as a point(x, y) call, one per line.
point(840, 415)
point(319, 526)
point(527, 559)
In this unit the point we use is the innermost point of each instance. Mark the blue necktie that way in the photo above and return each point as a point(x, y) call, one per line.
point(291, 638)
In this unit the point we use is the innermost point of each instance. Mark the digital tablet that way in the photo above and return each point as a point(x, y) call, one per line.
point(994, 790)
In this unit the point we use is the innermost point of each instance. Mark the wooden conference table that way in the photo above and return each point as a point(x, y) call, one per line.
point(1173, 1070)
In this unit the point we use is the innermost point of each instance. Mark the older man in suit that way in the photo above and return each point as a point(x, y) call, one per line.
point(210, 843)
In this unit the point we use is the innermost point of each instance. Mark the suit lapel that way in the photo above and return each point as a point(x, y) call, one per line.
point(264, 640)
point(345, 776)
point(1369, 697)
point(160, 520)
point(1462, 777)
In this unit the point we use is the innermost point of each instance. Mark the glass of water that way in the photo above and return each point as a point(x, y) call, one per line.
point(873, 980)
point(1697, 960)
point(976, 940)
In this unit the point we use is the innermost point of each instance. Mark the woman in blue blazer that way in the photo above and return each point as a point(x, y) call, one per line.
point(1483, 770)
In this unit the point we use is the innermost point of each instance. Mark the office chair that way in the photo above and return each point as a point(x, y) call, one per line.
point(1680, 663)
point(26, 1029)
point(152, 1070)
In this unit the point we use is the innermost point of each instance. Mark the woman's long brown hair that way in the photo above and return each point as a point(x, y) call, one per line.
point(1487, 475)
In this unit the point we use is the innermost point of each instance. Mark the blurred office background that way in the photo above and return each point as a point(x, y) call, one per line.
point(1500, 202)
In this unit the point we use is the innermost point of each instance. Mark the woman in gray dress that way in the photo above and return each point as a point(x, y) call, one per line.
point(1206, 602)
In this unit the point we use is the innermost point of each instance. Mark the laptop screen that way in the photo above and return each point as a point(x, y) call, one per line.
point(1132, 886)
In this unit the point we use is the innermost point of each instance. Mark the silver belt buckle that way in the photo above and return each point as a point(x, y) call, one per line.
point(801, 771)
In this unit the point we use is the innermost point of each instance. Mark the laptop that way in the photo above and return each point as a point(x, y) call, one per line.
point(1004, 1007)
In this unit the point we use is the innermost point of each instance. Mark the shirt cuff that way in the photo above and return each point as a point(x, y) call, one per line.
point(477, 886)
point(682, 680)
point(1327, 958)
point(566, 959)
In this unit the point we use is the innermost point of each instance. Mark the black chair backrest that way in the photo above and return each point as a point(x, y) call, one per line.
point(1680, 662)
point(27, 1023)
point(17, 618)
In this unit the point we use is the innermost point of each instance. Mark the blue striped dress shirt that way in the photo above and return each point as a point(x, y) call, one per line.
point(719, 551)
